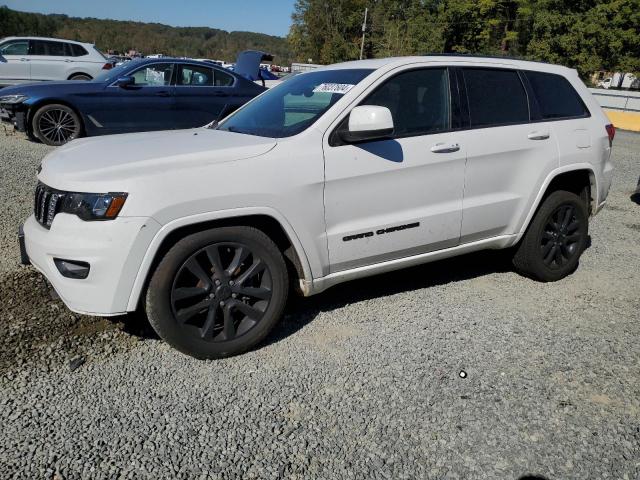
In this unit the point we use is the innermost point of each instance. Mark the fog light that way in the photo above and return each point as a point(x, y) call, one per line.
point(72, 268)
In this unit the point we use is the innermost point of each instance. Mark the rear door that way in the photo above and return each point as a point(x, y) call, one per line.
point(145, 106)
point(508, 155)
point(201, 94)
point(16, 67)
point(50, 60)
point(395, 198)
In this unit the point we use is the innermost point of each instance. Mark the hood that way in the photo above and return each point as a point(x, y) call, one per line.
point(52, 88)
point(112, 162)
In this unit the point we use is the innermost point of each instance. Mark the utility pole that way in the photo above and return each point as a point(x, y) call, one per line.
point(364, 29)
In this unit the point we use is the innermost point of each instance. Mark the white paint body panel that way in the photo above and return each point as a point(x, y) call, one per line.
point(481, 196)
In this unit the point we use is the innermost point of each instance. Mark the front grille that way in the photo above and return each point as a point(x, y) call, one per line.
point(47, 204)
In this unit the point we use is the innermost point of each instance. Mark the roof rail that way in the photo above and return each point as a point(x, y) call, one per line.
point(476, 55)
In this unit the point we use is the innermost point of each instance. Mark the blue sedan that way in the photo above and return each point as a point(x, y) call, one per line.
point(137, 96)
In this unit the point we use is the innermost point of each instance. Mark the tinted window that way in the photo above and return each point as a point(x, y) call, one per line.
point(195, 76)
point(15, 47)
point(77, 50)
point(556, 97)
point(155, 75)
point(44, 47)
point(496, 97)
point(418, 101)
point(223, 79)
point(294, 105)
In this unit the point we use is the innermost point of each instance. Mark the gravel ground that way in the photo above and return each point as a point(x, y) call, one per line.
point(361, 381)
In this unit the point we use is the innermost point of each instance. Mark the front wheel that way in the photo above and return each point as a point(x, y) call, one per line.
point(218, 293)
point(557, 236)
point(56, 124)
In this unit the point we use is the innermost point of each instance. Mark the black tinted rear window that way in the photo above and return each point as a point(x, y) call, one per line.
point(496, 97)
point(77, 50)
point(45, 47)
point(556, 96)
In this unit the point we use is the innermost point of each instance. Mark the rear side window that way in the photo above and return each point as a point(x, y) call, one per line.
point(45, 47)
point(77, 50)
point(556, 96)
point(222, 79)
point(418, 101)
point(496, 97)
point(195, 76)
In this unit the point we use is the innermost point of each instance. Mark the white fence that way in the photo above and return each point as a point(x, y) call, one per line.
point(621, 100)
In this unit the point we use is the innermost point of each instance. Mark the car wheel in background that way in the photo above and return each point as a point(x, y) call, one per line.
point(80, 76)
point(556, 237)
point(56, 124)
point(218, 293)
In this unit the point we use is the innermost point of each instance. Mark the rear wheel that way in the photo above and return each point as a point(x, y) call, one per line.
point(557, 236)
point(218, 293)
point(56, 124)
point(80, 76)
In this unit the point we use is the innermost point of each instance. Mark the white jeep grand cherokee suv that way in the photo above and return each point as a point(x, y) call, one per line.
point(35, 59)
point(350, 170)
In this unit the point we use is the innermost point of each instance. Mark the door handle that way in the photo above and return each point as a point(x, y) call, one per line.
point(67, 60)
point(445, 148)
point(163, 93)
point(24, 59)
point(538, 135)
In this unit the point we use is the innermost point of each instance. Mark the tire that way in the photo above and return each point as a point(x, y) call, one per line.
point(557, 236)
point(208, 311)
point(81, 76)
point(56, 124)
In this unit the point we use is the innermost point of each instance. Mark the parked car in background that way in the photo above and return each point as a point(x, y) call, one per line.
point(35, 59)
point(347, 171)
point(139, 95)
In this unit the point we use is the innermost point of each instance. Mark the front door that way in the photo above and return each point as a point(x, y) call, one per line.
point(403, 196)
point(15, 68)
point(148, 104)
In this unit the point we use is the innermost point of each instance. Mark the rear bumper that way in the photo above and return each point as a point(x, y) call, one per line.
point(113, 249)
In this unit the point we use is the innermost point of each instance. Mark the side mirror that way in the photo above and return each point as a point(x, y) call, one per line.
point(124, 82)
point(367, 123)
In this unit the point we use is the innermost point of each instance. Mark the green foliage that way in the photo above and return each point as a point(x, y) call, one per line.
point(588, 35)
point(198, 42)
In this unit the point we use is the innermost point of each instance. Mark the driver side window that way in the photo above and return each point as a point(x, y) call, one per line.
point(156, 75)
point(419, 101)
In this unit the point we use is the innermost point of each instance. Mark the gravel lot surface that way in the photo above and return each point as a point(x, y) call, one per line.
point(361, 381)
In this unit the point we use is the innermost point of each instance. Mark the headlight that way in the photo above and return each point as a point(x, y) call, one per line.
point(13, 98)
point(94, 206)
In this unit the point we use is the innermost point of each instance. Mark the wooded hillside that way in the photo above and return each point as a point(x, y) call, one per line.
point(149, 38)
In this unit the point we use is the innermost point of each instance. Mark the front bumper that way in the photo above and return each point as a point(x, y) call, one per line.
point(114, 250)
point(15, 115)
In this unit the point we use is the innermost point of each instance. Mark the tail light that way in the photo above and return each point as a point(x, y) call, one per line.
point(107, 66)
point(611, 131)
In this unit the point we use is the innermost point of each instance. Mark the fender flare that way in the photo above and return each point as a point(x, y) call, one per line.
point(547, 181)
point(168, 228)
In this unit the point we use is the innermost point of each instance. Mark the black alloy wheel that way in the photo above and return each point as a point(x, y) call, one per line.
point(218, 292)
point(560, 240)
point(221, 292)
point(555, 239)
point(56, 124)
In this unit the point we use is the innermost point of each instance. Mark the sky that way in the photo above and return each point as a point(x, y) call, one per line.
point(271, 16)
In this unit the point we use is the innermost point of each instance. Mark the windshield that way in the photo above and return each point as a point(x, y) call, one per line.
point(293, 106)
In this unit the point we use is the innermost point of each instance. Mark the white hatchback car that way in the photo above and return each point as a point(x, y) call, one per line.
point(34, 59)
point(346, 171)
